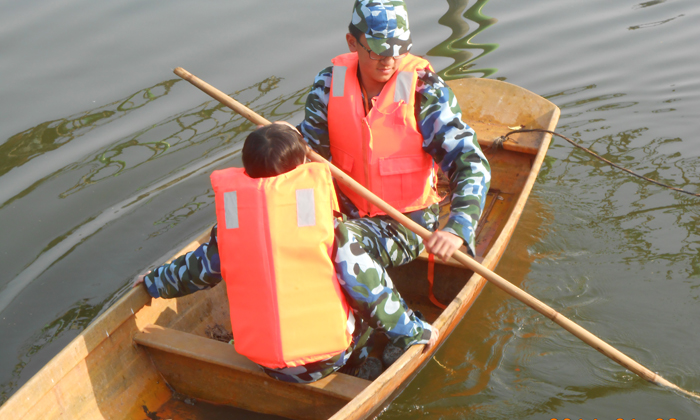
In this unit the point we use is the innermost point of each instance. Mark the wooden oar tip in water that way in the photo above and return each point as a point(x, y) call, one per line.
point(665, 383)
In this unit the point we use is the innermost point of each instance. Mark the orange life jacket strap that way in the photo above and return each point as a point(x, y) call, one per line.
point(431, 279)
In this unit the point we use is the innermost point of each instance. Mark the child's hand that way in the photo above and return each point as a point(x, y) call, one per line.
point(434, 336)
point(138, 280)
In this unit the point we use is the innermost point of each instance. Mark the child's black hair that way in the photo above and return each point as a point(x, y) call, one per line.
point(273, 150)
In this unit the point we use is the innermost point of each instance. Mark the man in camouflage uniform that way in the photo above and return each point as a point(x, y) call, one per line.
point(380, 35)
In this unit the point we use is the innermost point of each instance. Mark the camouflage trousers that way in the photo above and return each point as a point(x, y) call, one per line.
point(387, 241)
point(364, 248)
point(354, 355)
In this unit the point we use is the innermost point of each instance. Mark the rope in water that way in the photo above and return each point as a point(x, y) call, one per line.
point(499, 143)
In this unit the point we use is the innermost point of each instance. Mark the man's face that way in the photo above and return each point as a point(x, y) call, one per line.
point(377, 71)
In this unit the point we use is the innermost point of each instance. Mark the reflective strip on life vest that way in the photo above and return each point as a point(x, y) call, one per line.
point(339, 80)
point(404, 85)
point(231, 206)
point(306, 208)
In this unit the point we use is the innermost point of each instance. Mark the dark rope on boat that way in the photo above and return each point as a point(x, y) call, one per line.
point(498, 143)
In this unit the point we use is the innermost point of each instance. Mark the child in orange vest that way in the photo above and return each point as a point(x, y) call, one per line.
point(376, 305)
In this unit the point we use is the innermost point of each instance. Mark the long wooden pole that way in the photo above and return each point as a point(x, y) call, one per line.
point(575, 329)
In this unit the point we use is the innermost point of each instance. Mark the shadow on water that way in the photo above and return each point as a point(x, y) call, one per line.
point(459, 45)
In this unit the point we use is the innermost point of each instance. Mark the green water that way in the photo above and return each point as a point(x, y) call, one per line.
point(105, 157)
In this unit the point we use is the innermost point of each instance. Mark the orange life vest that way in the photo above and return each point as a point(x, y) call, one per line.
point(383, 149)
point(275, 243)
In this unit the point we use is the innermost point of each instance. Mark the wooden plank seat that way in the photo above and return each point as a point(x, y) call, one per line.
point(212, 371)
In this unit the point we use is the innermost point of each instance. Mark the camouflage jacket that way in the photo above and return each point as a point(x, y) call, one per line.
point(450, 142)
point(367, 294)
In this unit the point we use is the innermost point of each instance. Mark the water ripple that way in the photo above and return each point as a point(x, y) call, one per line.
point(652, 24)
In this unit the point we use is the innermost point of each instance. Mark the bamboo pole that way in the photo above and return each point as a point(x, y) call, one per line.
point(575, 329)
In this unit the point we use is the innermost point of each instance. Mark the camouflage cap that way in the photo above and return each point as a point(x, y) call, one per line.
point(385, 24)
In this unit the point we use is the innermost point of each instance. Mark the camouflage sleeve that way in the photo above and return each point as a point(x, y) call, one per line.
point(314, 128)
point(196, 270)
point(453, 145)
point(372, 294)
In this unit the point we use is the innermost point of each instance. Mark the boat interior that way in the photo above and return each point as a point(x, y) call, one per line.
point(198, 367)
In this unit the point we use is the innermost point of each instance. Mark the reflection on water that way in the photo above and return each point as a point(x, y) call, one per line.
point(49, 136)
point(459, 46)
point(639, 222)
point(172, 218)
point(106, 163)
point(45, 137)
point(207, 123)
point(579, 102)
point(21, 148)
point(652, 24)
point(649, 3)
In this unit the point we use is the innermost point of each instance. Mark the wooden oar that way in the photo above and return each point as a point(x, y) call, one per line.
point(575, 329)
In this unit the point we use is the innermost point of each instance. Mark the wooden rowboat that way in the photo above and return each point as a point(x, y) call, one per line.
point(146, 358)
